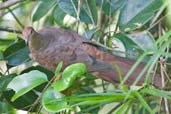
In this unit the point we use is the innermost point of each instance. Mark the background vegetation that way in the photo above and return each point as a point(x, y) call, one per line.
point(137, 29)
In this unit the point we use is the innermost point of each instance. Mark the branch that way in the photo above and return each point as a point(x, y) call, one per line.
point(8, 3)
point(15, 17)
point(10, 30)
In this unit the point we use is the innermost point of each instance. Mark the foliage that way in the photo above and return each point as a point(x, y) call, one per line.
point(136, 29)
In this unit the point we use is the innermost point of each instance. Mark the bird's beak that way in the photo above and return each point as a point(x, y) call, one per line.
point(26, 40)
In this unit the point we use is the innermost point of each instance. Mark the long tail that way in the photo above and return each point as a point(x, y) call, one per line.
point(121, 67)
point(119, 64)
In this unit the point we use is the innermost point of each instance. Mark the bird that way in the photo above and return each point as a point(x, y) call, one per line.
point(51, 45)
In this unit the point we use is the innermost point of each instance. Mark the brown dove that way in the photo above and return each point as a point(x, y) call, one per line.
point(51, 45)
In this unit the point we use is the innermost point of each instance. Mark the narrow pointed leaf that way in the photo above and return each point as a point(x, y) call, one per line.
point(143, 102)
point(58, 68)
point(157, 92)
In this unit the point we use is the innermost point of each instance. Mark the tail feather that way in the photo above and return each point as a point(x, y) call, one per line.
point(124, 65)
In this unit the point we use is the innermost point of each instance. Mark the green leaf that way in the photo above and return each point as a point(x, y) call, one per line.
point(1, 55)
point(157, 92)
point(143, 39)
point(43, 8)
point(58, 68)
point(122, 108)
point(136, 13)
point(49, 74)
point(68, 6)
point(17, 53)
point(69, 75)
point(4, 43)
point(25, 82)
point(110, 6)
point(50, 101)
point(167, 13)
point(58, 15)
point(4, 81)
point(88, 11)
point(128, 44)
point(90, 109)
point(24, 102)
point(5, 108)
point(136, 43)
point(143, 102)
point(131, 45)
point(77, 69)
point(95, 98)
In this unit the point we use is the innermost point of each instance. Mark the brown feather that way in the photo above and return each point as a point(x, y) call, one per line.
point(61, 45)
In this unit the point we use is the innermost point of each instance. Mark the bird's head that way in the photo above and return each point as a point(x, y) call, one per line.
point(32, 38)
point(28, 33)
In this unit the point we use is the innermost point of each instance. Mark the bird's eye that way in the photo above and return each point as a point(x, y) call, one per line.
point(31, 31)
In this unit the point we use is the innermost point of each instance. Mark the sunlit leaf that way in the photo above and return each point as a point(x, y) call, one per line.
point(157, 92)
point(136, 13)
point(42, 9)
point(4, 43)
point(77, 69)
point(69, 75)
point(58, 68)
point(49, 74)
point(95, 98)
point(50, 101)
point(25, 82)
point(123, 108)
point(167, 13)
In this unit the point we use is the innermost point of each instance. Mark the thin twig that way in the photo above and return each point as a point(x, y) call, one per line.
point(10, 30)
point(91, 15)
point(162, 67)
point(159, 20)
point(114, 50)
point(15, 17)
point(160, 105)
point(78, 14)
point(9, 3)
point(39, 98)
point(103, 85)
